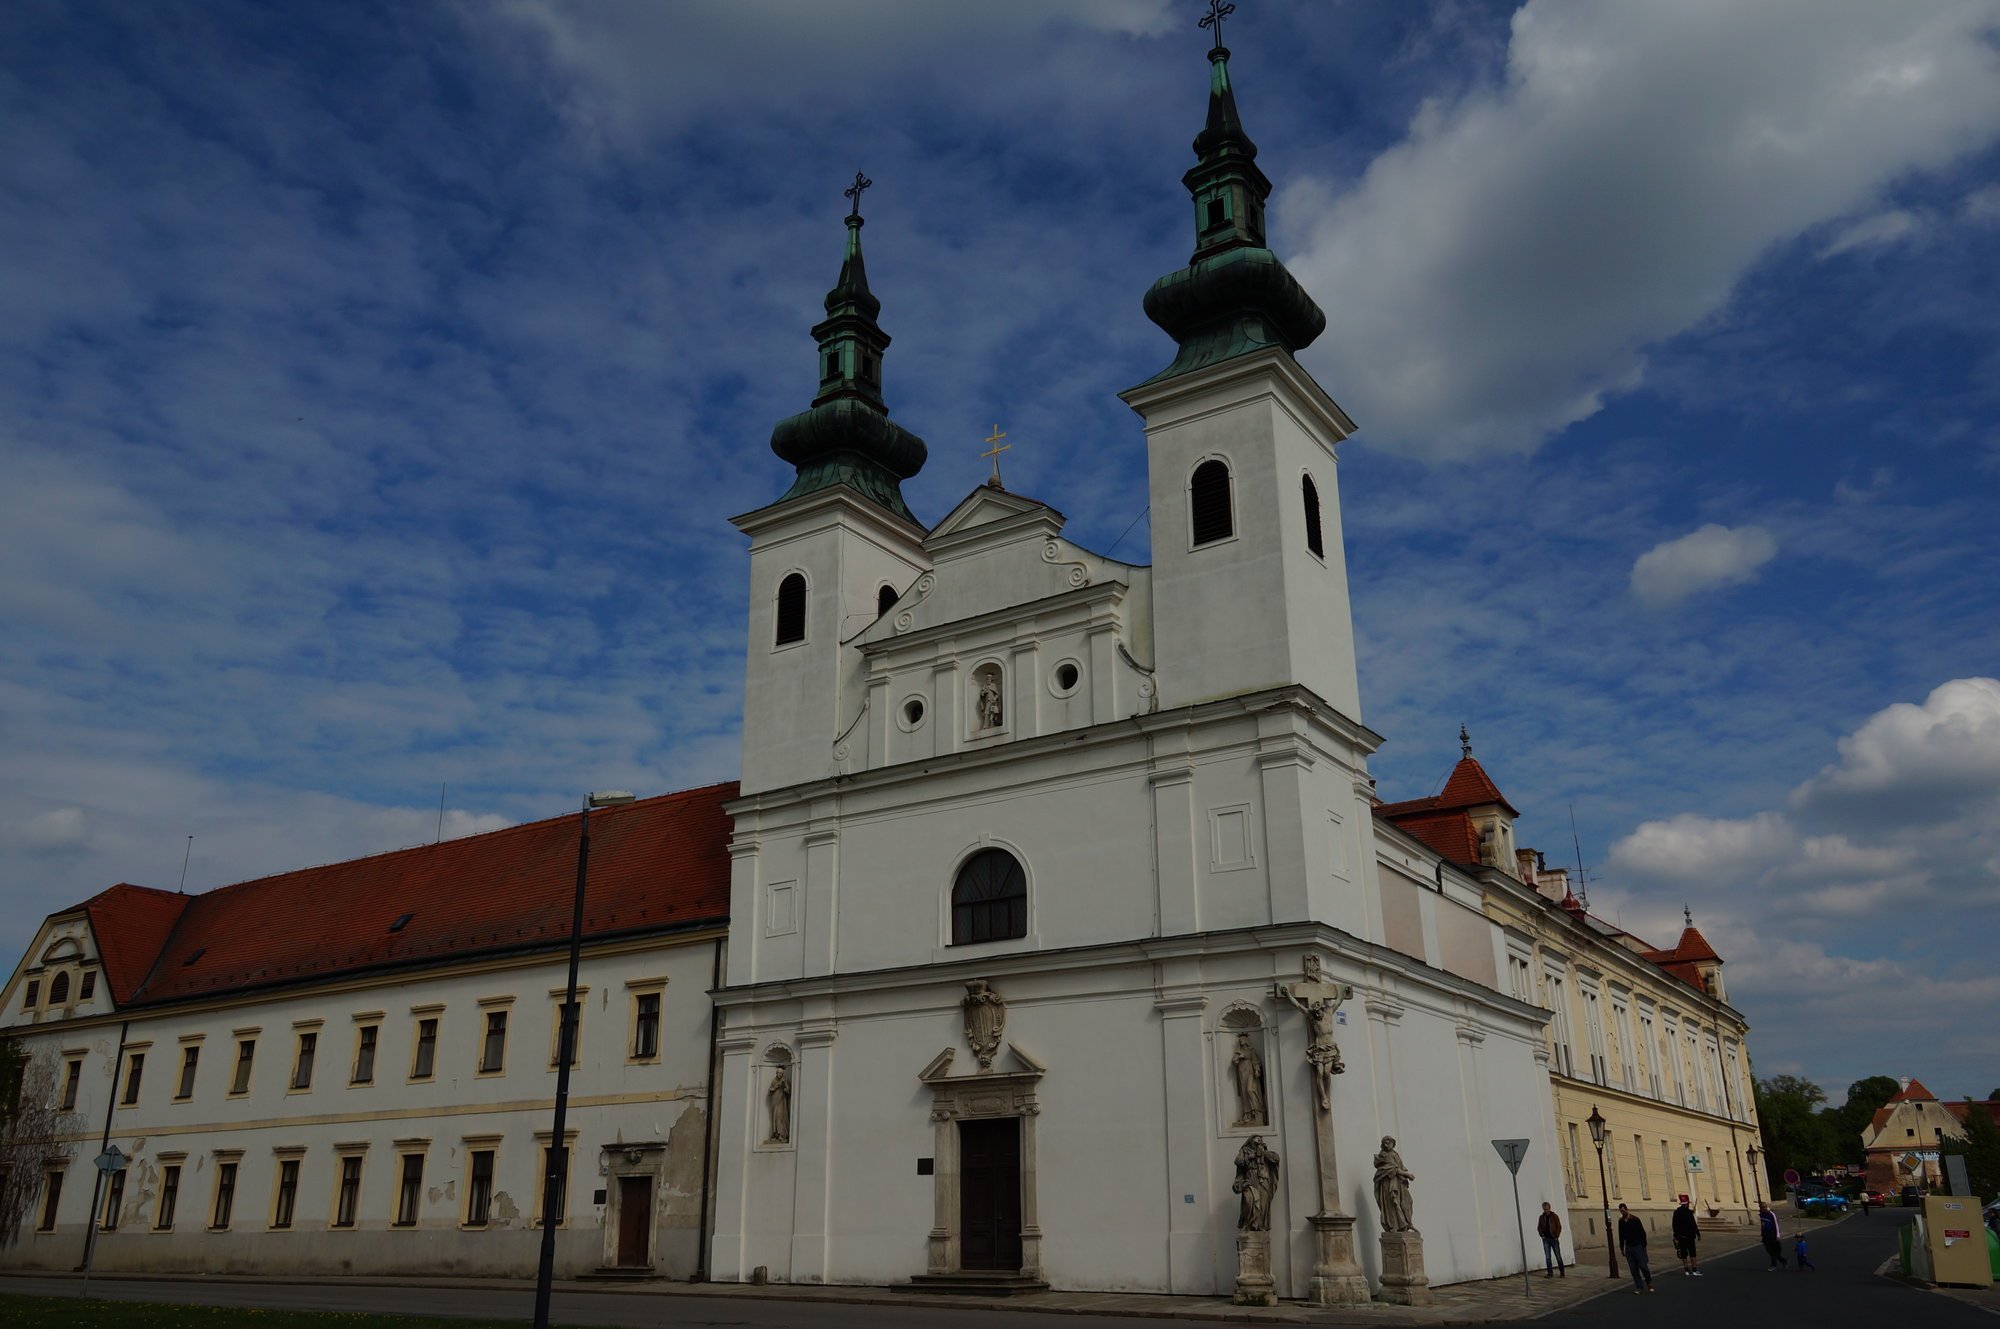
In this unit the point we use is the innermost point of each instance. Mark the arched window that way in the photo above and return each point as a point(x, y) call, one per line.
point(791, 609)
point(59, 989)
point(1313, 541)
point(1208, 503)
point(989, 901)
point(885, 600)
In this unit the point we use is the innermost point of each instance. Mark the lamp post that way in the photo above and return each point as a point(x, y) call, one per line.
point(1596, 1123)
point(558, 1173)
point(1753, 1153)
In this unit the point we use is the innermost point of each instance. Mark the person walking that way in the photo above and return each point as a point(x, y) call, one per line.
point(1687, 1233)
point(1768, 1233)
point(1632, 1242)
point(1799, 1249)
point(1551, 1229)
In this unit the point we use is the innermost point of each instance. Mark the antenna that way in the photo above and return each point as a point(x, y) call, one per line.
point(1582, 890)
point(440, 834)
point(185, 856)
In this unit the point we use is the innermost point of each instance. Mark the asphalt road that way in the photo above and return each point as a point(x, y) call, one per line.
point(1842, 1290)
point(1735, 1290)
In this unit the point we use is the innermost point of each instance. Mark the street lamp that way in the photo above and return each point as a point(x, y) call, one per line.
point(1596, 1123)
point(1753, 1154)
point(558, 1173)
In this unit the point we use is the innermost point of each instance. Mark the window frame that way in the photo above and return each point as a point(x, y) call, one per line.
point(409, 1197)
point(476, 1201)
point(51, 1206)
point(169, 1198)
point(638, 990)
point(1229, 507)
point(1315, 516)
point(779, 641)
point(222, 1195)
point(114, 1199)
point(305, 1055)
point(348, 1167)
point(542, 1147)
point(72, 1080)
point(985, 907)
point(488, 1008)
point(246, 1062)
point(135, 1070)
point(285, 1189)
point(419, 1044)
point(189, 1069)
point(368, 1040)
point(556, 1003)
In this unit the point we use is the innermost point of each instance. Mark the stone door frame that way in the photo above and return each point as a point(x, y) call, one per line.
point(983, 1095)
point(647, 1158)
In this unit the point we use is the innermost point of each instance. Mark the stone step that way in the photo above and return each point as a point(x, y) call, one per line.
point(975, 1283)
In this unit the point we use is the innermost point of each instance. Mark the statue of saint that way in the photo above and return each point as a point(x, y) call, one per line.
point(990, 713)
point(1248, 1070)
point(1256, 1181)
point(779, 1096)
point(1392, 1188)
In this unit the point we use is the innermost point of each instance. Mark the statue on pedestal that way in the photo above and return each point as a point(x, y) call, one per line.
point(1392, 1188)
point(1247, 1069)
point(1256, 1181)
point(779, 1096)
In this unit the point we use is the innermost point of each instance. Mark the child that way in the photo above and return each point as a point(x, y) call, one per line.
point(1799, 1250)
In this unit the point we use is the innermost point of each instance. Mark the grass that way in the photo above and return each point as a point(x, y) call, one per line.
point(70, 1313)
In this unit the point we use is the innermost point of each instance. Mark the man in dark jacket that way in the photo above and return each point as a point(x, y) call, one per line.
point(1768, 1233)
point(1632, 1241)
point(1686, 1234)
point(1551, 1229)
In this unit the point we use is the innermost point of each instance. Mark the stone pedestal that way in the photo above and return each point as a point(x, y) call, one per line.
point(1337, 1279)
point(1403, 1280)
point(1254, 1286)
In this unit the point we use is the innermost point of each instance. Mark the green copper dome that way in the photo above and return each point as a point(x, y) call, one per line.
point(1234, 296)
point(846, 436)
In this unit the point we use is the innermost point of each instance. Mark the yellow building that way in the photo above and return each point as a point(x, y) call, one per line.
point(1641, 1037)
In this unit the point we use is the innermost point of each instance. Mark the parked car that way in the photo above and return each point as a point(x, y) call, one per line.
point(1816, 1197)
point(1912, 1197)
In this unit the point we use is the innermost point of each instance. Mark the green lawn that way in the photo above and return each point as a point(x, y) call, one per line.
point(69, 1313)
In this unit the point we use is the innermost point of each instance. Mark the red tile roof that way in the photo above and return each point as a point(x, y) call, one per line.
point(130, 924)
point(1450, 834)
point(1469, 786)
point(1960, 1109)
point(1691, 947)
point(654, 864)
point(1914, 1092)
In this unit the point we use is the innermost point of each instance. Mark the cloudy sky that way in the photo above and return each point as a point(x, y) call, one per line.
point(374, 384)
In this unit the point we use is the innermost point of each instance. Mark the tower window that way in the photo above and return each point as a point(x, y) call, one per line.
point(1313, 540)
point(870, 367)
point(885, 600)
point(989, 901)
point(833, 364)
point(791, 610)
point(1218, 212)
point(1208, 503)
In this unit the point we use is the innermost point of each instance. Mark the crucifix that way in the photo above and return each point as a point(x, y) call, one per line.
point(853, 192)
point(1336, 1278)
point(1217, 11)
point(994, 452)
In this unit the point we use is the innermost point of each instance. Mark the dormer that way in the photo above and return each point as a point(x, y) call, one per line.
point(1471, 822)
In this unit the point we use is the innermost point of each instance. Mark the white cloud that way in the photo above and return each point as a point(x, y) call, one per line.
point(1884, 228)
point(1982, 205)
point(1712, 556)
point(1689, 848)
point(1916, 763)
point(1503, 270)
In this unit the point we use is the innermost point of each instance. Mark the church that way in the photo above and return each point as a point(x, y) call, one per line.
point(1053, 935)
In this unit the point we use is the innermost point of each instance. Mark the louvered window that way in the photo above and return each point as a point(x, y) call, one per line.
point(989, 901)
point(1208, 503)
point(1313, 540)
point(791, 610)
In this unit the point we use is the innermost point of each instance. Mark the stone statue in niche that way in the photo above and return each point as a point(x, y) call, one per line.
point(989, 714)
point(1319, 999)
point(1392, 1188)
point(1247, 1068)
point(985, 1019)
point(1256, 1181)
point(779, 1097)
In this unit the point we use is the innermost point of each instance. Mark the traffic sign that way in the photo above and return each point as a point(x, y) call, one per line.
point(111, 1160)
point(1511, 1153)
point(1791, 1176)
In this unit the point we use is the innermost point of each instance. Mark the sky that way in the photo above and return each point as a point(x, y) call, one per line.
point(376, 380)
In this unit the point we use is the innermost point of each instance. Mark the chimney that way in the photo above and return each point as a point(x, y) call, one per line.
point(1524, 862)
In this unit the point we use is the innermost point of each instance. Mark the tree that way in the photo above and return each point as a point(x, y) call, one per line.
point(1981, 1147)
point(1847, 1122)
point(1796, 1132)
point(33, 1130)
point(1993, 1096)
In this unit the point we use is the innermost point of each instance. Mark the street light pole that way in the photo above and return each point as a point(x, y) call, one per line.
point(1596, 1123)
point(1752, 1154)
point(557, 1178)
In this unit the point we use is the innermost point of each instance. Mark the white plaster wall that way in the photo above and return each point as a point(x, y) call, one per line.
point(612, 1100)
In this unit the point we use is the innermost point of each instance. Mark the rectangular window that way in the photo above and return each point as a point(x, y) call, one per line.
point(349, 1199)
point(52, 1181)
point(425, 1063)
point(288, 1192)
point(1576, 1186)
point(302, 1069)
point(72, 1073)
point(410, 1190)
point(493, 1053)
point(190, 1056)
point(560, 1159)
point(364, 1055)
point(1639, 1156)
point(246, 1052)
point(89, 987)
point(646, 1027)
point(479, 1191)
point(114, 1200)
point(225, 1194)
point(133, 1067)
point(170, 1194)
point(33, 996)
point(575, 1021)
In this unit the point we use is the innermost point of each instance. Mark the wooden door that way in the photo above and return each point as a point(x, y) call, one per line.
point(635, 1220)
point(989, 1193)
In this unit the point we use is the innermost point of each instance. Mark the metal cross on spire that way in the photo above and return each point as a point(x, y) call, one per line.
point(853, 192)
point(1217, 11)
point(998, 448)
point(1687, 915)
point(1464, 741)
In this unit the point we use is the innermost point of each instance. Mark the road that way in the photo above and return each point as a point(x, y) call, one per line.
point(1734, 1291)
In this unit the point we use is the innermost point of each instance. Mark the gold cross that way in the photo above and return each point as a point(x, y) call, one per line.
point(994, 453)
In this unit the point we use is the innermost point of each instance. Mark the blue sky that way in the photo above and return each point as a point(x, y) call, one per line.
point(377, 381)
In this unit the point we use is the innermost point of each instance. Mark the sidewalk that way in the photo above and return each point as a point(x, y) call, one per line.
point(1491, 1301)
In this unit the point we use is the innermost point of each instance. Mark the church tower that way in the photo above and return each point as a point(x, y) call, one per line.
point(1250, 577)
point(836, 549)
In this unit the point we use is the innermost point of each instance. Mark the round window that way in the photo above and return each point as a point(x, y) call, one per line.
point(913, 713)
point(1063, 682)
